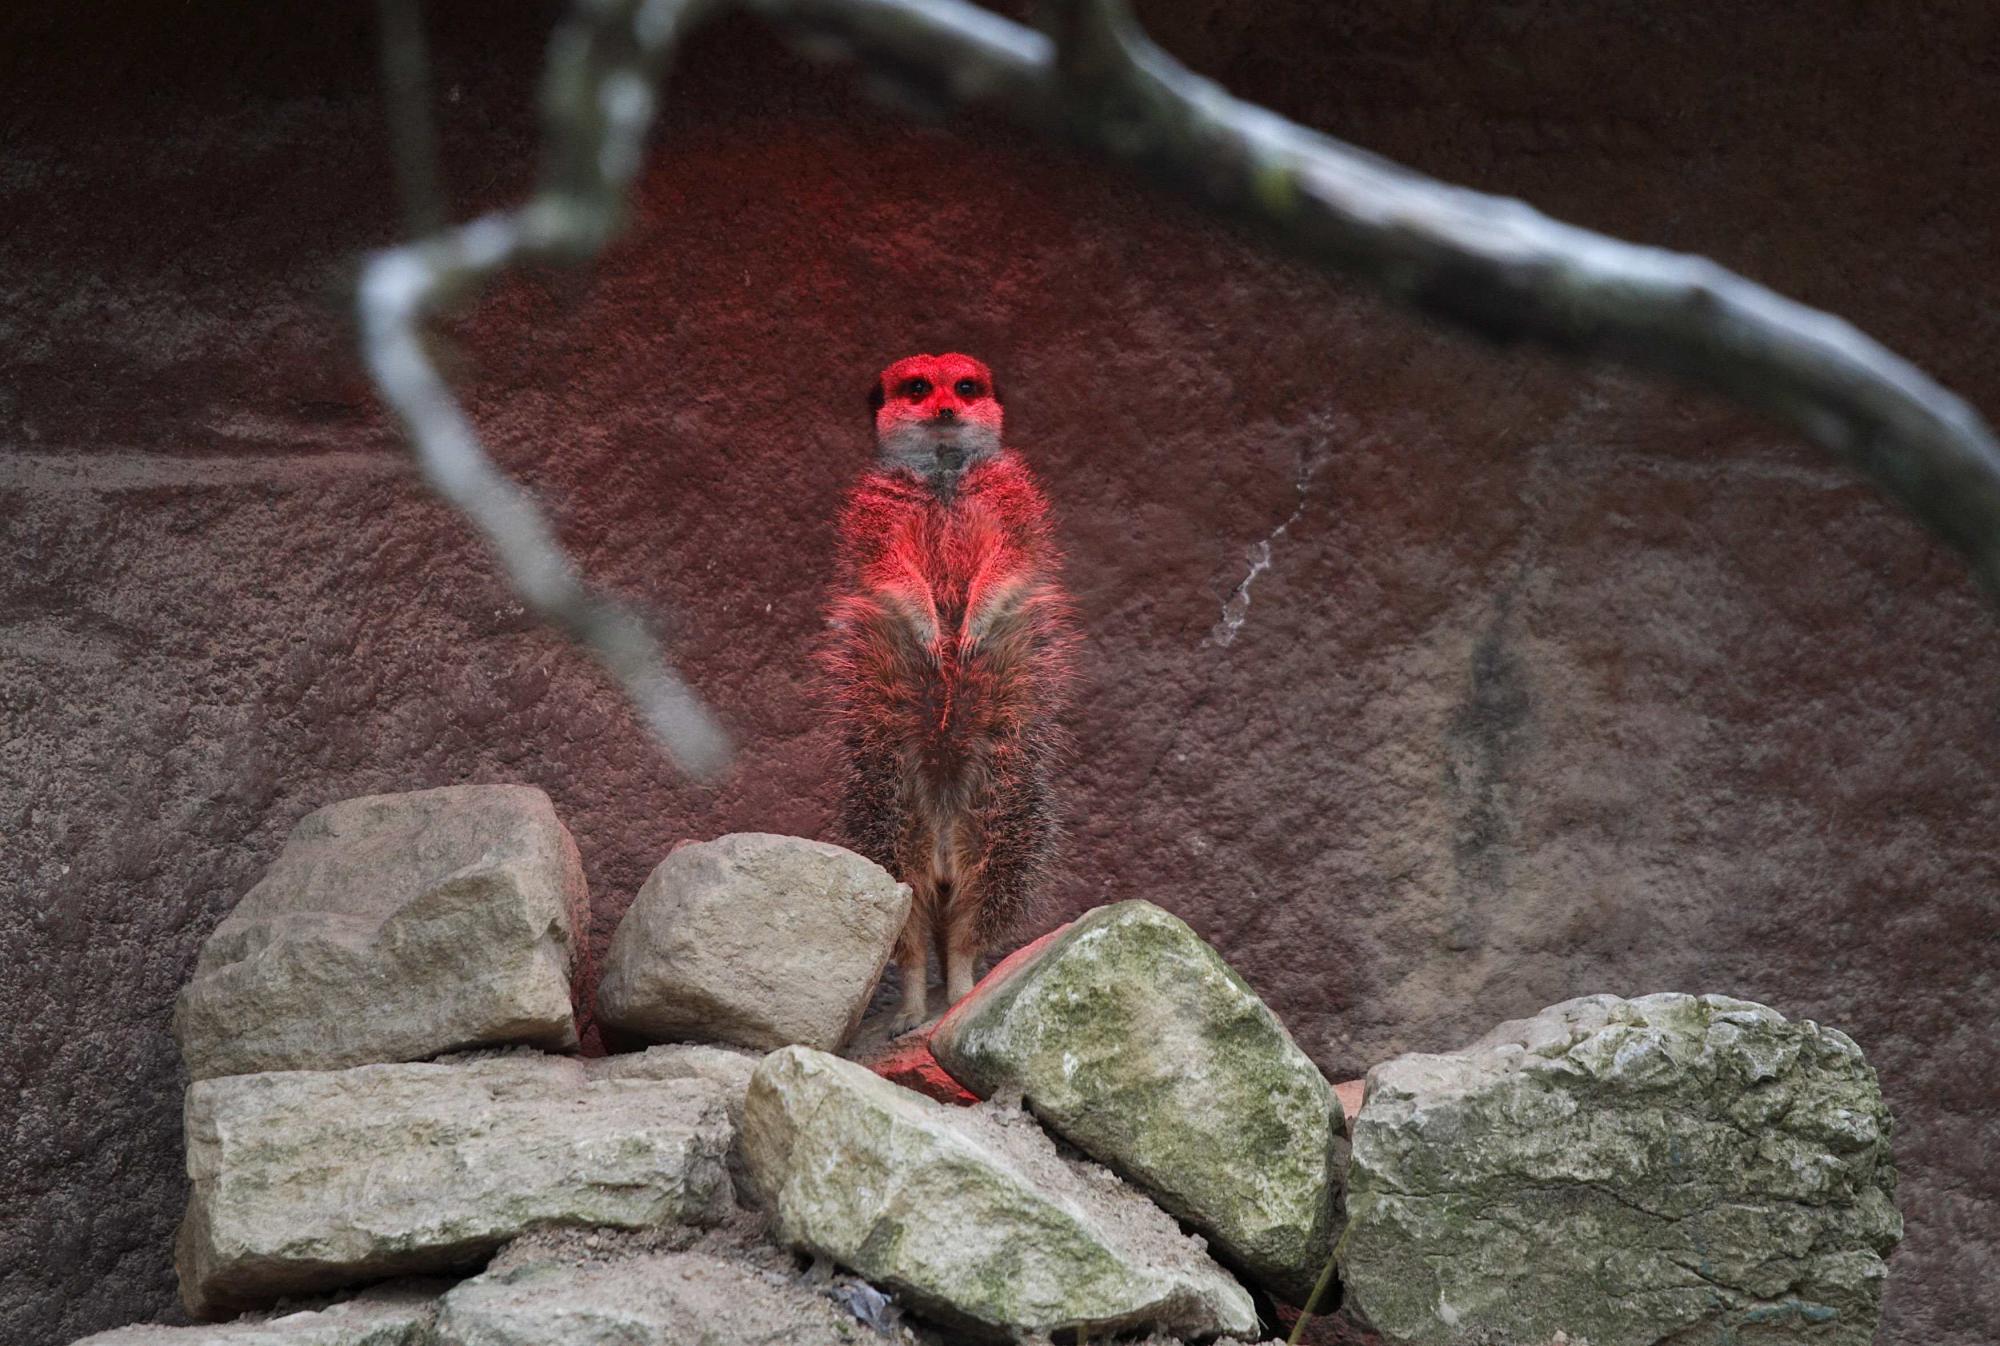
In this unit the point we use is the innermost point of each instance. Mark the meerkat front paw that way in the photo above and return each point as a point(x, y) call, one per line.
point(920, 619)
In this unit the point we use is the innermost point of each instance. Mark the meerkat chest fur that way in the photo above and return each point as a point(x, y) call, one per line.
point(943, 578)
point(966, 547)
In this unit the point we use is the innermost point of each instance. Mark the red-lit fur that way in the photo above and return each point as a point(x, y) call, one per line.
point(948, 653)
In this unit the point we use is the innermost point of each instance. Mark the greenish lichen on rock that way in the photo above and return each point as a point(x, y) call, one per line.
point(1625, 1172)
point(1133, 1040)
point(970, 1213)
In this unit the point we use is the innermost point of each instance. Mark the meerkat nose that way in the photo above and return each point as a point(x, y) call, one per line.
point(947, 414)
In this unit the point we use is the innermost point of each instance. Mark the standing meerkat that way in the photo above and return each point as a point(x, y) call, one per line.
point(949, 638)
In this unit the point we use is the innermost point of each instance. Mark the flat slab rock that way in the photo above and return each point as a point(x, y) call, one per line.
point(1624, 1172)
point(393, 1315)
point(690, 1298)
point(394, 928)
point(1133, 1040)
point(969, 1214)
point(724, 1066)
point(753, 939)
point(307, 1180)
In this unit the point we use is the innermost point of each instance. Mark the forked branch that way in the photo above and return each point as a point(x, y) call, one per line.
point(597, 105)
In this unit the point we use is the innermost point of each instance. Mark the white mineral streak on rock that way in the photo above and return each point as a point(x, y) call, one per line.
point(1237, 609)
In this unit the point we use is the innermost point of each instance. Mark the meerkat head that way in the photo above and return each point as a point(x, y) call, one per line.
point(936, 415)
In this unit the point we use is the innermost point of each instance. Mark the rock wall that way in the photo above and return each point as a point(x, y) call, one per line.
point(1432, 684)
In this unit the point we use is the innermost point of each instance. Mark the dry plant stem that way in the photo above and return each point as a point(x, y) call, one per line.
point(1312, 1303)
point(1490, 265)
point(598, 102)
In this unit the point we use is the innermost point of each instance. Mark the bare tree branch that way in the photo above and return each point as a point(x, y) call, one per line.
point(597, 105)
point(1489, 265)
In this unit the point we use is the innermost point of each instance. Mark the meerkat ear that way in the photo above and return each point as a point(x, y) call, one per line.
point(993, 389)
point(875, 397)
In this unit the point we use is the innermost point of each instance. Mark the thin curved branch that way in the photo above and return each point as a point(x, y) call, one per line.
point(598, 102)
point(1493, 266)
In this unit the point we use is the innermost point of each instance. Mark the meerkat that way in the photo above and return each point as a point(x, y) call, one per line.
point(948, 654)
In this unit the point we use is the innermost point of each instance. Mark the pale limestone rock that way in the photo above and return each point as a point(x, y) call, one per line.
point(969, 1213)
point(1130, 1038)
point(729, 1067)
point(753, 939)
point(304, 1181)
point(391, 1315)
point(393, 928)
point(1626, 1172)
point(649, 1299)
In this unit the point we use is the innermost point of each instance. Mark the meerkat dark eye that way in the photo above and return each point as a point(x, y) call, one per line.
point(968, 388)
point(916, 388)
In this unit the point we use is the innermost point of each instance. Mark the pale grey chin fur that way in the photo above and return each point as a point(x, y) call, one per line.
point(915, 447)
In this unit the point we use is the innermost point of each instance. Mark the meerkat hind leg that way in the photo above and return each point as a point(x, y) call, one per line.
point(960, 964)
point(963, 940)
point(913, 949)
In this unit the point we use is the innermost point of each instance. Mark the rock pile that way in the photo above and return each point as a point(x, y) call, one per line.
point(1155, 1154)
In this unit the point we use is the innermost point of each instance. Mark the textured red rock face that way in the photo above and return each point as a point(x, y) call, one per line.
point(1430, 684)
